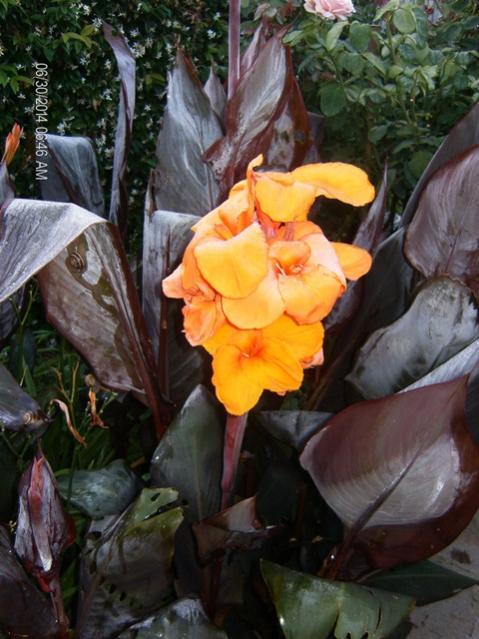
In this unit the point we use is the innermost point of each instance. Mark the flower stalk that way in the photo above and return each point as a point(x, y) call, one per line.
point(234, 24)
point(234, 435)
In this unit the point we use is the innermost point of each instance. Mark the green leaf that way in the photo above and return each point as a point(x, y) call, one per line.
point(334, 34)
point(404, 20)
point(332, 99)
point(97, 493)
point(425, 582)
point(310, 608)
point(419, 161)
point(189, 457)
point(377, 133)
point(352, 62)
point(390, 6)
point(376, 62)
point(360, 36)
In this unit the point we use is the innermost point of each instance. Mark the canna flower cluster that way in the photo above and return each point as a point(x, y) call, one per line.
point(258, 278)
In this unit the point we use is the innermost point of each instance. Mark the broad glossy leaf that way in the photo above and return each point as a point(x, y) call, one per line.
point(464, 135)
point(254, 48)
point(401, 472)
point(183, 180)
point(189, 457)
point(97, 493)
point(73, 173)
point(8, 315)
point(183, 619)
point(216, 93)
point(462, 556)
point(87, 288)
point(43, 529)
point(442, 238)
point(236, 528)
point(182, 367)
point(369, 235)
point(387, 293)
point(24, 610)
point(294, 427)
point(126, 573)
point(126, 111)
point(312, 608)
point(250, 114)
point(425, 582)
point(442, 320)
point(18, 411)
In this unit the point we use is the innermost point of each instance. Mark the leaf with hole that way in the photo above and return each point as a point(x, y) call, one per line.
point(311, 608)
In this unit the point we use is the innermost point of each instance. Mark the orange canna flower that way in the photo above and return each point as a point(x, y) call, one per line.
point(245, 363)
point(258, 278)
point(12, 143)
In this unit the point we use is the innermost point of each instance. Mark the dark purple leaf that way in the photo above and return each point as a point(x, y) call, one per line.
point(292, 140)
point(254, 48)
point(401, 472)
point(6, 190)
point(251, 113)
point(18, 411)
point(8, 318)
point(189, 455)
point(127, 70)
point(388, 290)
point(236, 528)
point(44, 529)
point(8, 314)
point(73, 173)
point(216, 93)
point(183, 181)
point(182, 367)
point(464, 135)
point(442, 238)
point(441, 322)
point(87, 289)
point(24, 610)
point(369, 236)
point(126, 572)
point(294, 427)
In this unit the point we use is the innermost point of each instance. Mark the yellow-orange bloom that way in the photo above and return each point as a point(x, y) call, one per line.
point(11, 144)
point(245, 363)
point(258, 278)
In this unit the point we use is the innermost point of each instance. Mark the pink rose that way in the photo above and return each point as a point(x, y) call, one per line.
point(332, 9)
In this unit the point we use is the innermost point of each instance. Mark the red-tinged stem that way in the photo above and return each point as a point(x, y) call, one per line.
point(58, 607)
point(234, 46)
point(235, 428)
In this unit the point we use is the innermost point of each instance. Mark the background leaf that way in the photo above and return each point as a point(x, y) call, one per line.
point(294, 427)
point(404, 481)
point(442, 238)
point(441, 322)
point(182, 367)
point(73, 173)
point(183, 181)
point(126, 572)
point(189, 457)
point(18, 411)
point(126, 111)
point(310, 608)
point(102, 492)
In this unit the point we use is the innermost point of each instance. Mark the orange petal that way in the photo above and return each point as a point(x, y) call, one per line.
point(234, 267)
point(289, 254)
point(260, 308)
point(234, 386)
point(312, 291)
point(226, 334)
point(323, 254)
point(338, 181)
point(316, 360)
point(274, 367)
point(284, 202)
point(355, 262)
point(202, 318)
point(173, 284)
point(303, 340)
